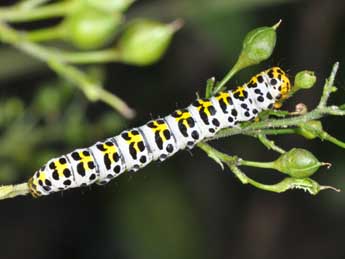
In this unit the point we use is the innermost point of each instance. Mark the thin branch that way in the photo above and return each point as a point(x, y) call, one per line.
point(270, 143)
point(327, 90)
point(93, 91)
point(18, 14)
point(288, 183)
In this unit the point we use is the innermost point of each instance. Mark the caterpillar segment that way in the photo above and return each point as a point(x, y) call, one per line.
point(108, 160)
point(159, 139)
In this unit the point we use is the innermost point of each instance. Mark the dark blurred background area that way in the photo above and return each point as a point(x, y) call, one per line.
point(186, 207)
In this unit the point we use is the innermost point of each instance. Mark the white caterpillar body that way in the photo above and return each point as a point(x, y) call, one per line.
point(159, 139)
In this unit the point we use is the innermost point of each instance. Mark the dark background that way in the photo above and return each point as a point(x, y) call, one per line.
point(186, 207)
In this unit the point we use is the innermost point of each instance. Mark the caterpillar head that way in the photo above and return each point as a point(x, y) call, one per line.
point(278, 85)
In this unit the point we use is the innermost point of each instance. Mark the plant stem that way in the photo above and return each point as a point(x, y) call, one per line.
point(227, 77)
point(327, 90)
point(93, 91)
point(333, 140)
point(89, 57)
point(29, 4)
point(287, 183)
point(48, 34)
point(15, 14)
point(278, 131)
point(270, 143)
point(271, 124)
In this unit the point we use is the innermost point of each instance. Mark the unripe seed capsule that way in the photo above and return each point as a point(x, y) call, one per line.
point(91, 28)
point(310, 129)
point(298, 163)
point(258, 46)
point(110, 5)
point(145, 41)
point(304, 80)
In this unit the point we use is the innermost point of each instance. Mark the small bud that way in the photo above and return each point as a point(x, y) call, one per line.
point(301, 108)
point(90, 28)
point(258, 46)
point(298, 163)
point(110, 5)
point(310, 130)
point(145, 41)
point(304, 80)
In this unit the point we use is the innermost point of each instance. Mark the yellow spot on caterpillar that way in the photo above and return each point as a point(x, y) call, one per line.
point(240, 90)
point(85, 159)
point(205, 105)
point(60, 167)
point(280, 75)
point(160, 128)
point(109, 150)
point(223, 96)
point(184, 116)
point(136, 139)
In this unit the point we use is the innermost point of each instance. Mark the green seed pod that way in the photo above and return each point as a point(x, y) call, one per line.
point(310, 129)
point(110, 5)
point(304, 80)
point(298, 163)
point(145, 41)
point(91, 28)
point(258, 46)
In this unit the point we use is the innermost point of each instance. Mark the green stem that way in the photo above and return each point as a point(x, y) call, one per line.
point(15, 14)
point(93, 91)
point(278, 131)
point(256, 127)
point(333, 140)
point(48, 34)
point(98, 56)
point(270, 143)
point(90, 89)
point(267, 165)
point(327, 90)
point(288, 183)
point(227, 77)
point(30, 4)
point(237, 67)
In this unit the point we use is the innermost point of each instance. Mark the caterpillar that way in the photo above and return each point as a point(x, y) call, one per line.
point(159, 139)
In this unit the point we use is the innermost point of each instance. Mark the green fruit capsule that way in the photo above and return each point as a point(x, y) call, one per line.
point(310, 130)
point(258, 45)
point(304, 80)
point(298, 163)
point(109, 5)
point(145, 41)
point(91, 28)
